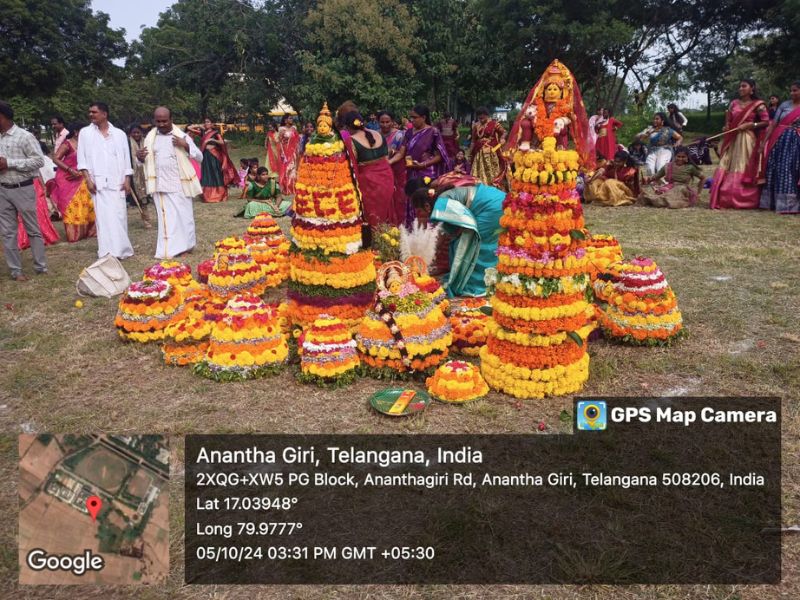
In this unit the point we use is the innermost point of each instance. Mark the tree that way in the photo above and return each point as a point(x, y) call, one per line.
point(45, 42)
point(778, 51)
point(359, 50)
point(203, 45)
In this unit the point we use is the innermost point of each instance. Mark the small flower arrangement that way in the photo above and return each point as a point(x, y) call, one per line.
point(146, 309)
point(457, 381)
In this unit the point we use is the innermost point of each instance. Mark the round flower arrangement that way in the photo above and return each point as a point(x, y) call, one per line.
point(235, 272)
point(636, 304)
point(146, 309)
point(457, 381)
point(405, 331)
point(328, 353)
point(176, 273)
point(330, 272)
point(469, 322)
point(246, 343)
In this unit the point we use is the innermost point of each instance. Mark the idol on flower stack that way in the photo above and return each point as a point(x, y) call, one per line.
point(602, 250)
point(405, 331)
point(328, 352)
point(269, 248)
point(537, 335)
point(235, 271)
point(418, 270)
point(636, 304)
point(146, 309)
point(246, 343)
point(329, 270)
point(457, 381)
point(186, 340)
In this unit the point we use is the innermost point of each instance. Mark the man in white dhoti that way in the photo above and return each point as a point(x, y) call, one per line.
point(171, 182)
point(104, 158)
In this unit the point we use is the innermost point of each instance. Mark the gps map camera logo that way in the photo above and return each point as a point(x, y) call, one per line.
point(592, 415)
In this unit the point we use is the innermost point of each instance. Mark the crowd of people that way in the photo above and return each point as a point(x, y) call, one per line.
point(98, 170)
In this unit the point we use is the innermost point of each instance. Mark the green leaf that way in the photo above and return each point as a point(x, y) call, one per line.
point(487, 310)
point(565, 417)
point(575, 338)
point(577, 234)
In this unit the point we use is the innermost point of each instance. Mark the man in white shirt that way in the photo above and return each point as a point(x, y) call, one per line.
point(104, 158)
point(172, 182)
point(60, 131)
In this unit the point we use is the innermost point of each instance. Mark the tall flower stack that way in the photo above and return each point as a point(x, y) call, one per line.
point(146, 309)
point(405, 331)
point(235, 271)
point(329, 270)
point(246, 343)
point(328, 353)
point(637, 305)
point(537, 335)
point(269, 248)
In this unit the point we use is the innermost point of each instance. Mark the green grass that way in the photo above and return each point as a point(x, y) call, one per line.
point(65, 370)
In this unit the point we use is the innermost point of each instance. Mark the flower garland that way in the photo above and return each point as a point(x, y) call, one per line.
point(146, 309)
point(246, 343)
point(457, 381)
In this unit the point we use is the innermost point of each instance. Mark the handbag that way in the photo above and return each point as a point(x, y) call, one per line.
point(105, 277)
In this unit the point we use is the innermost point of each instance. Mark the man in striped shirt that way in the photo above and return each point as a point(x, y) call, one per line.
point(20, 161)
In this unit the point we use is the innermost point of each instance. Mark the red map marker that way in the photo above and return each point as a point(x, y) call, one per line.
point(93, 505)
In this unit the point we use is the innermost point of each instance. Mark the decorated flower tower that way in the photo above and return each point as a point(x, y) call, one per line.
point(330, 272)
point(536, 343)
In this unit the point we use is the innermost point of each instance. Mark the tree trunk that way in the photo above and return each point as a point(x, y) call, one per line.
point(708, 105)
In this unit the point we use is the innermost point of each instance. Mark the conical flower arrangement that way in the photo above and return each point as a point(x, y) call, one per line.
point(146, 309)
point(330, 272)
point(536, 342)
point(269, 248)
point(328, 352)
point(235, 271)
point(246, 343)
point(637, 305)
point(186, 341)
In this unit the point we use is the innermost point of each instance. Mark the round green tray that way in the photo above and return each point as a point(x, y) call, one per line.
point(382, 401)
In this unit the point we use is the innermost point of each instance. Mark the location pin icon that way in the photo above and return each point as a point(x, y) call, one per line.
point(93, 505)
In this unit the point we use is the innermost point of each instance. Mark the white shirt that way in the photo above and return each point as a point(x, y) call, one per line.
point(107, 158)
point(48, 170)
point(168, 177)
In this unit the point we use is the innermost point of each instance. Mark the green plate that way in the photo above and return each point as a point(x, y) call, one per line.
point(384, 400)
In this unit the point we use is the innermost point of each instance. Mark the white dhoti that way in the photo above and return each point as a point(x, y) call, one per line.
point(175, 224)
point(111, 220)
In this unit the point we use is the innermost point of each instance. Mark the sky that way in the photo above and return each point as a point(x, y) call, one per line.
point(131, 15)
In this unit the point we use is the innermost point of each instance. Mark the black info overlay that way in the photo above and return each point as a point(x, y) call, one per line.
point(712, 517)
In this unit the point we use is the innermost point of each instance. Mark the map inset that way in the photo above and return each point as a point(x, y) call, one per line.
point(93, 509)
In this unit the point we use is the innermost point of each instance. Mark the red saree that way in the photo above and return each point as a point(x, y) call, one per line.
point(49, 234)
point(606, 145)
point(288, 140)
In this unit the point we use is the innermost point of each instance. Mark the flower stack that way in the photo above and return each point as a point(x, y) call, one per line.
point(468, 321)
point(235, 271)
point(186, 341)
point(602, 250)
point(329, 270)
point(246, 343)
point(177, 274)
point(204, 270)
point(405, 331)
point(146, 309)
point(423, 280)
point(328, 352)
point(269, 248)
point(457, 381)
point(537, 335)
point(636, 304)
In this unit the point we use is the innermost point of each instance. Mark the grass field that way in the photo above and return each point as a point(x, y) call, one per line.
point(64, 370)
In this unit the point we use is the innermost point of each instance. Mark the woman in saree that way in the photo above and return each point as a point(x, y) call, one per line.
point(423, 147)
point(674, 188)
point(488, 136)
point(471, 214)
point(49, 234)
point(659, 140)
point(136, 139)
point(288, 141)
point(374, 174)
point(615, 183)
point(393, 137)
point(70, 193)
point(448, 127)
point(217, 169)
point(781, 162)
point(606, 144)
point(264, 196)
point(272, 146)
point(736, 180)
